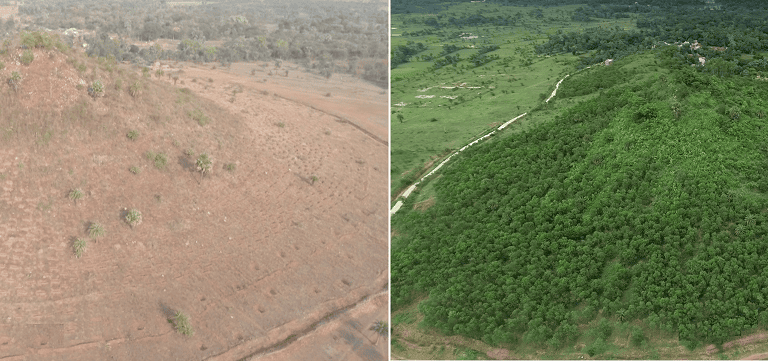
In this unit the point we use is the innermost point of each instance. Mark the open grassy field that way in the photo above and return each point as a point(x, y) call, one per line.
point(436, 110)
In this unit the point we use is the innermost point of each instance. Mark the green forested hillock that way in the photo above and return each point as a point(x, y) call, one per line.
point(645, 202)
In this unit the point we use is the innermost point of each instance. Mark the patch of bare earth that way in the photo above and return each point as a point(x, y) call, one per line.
point(8, 11)
point(344, 337)
point(49, 83)
point(498, 354)
point(758, 337)
point(760, 356)
point(297, 232)
point(350, 99)
point(425, 204)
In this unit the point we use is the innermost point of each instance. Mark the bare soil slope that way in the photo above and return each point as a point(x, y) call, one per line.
point(254, 255)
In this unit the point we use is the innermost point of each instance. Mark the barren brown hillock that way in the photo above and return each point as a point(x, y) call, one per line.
point(249, 252)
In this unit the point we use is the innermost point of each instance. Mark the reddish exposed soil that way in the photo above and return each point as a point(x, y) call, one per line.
point(347, 97)
point(8, 11)
point(253, 256)
point(761, 356)
point(758, 337)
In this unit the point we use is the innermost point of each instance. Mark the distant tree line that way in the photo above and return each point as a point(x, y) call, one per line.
point(732, 32)
point(403, 53)
point(313, 34)
point(435, 6)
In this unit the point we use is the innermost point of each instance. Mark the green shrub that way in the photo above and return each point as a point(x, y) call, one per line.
point(79, 247)
point(204, 163)
point(198, 116)
point(181, 321)
point(118, 84)
point(604, 329)
point(638, 336)
point(133, 217)
point(597, 347)
point(134, 89)
point(96, 230)
point(230, 167)
point(159, 73)
point(135, 170)
point(15, 80)
point(37, 39)
point(61, 46)
point(161, 159)
point(133, 134)
point(2, 65)
point(75, 194)
point(96, 89)
point(381, 328)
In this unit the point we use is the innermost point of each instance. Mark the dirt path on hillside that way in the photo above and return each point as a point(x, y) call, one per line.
point(758, 337)
point(760, 356)
point(394, 208)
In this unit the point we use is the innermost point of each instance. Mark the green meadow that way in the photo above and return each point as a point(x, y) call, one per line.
point(437, 110)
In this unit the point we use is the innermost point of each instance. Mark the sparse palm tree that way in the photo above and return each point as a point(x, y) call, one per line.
point(381, 328)
point(204, 164)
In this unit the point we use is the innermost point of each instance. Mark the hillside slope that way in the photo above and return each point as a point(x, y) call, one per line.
point(282, 232)
point(640, 207)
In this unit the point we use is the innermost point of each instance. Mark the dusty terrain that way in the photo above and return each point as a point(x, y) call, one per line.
point(282, 255)
point(344, 96)
point(8, 11)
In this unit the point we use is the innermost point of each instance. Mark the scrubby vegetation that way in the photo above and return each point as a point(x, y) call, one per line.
point(95, 230)
point(96, 89)
point(133, 217)
point(78, 246)
point(204, 164)
point(15, 81)
point(76, 194)
point(183, 326)
point(27, 57)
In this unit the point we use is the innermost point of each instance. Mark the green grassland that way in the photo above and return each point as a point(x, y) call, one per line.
point(436, 118)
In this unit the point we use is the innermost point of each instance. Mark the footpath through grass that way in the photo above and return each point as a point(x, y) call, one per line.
point(456, 86)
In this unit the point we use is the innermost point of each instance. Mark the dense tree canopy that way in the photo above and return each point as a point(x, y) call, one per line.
point(646, 202)
point(312, 33)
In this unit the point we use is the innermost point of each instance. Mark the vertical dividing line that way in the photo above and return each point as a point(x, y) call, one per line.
point(389, 179)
